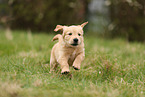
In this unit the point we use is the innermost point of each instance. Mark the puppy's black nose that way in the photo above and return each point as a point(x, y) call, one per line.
point(75, 40)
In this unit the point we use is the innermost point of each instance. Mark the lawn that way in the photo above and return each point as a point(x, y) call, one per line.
point(112, 68)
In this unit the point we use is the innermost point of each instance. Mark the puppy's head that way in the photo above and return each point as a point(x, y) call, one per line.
point(72, 35)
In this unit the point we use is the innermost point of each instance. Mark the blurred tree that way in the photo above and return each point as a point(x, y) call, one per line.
point(44, 15)
point(128, 19)
point(5, 14)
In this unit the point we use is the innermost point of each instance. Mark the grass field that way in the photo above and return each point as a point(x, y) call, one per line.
point(112, 68)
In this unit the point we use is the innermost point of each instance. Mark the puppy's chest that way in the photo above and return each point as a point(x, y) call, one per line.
point(73, 55)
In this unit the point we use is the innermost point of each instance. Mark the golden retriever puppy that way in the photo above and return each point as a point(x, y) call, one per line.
point(69, 50)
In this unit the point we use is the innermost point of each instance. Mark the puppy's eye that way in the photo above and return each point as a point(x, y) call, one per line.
point(70, 34)
point(79, 34)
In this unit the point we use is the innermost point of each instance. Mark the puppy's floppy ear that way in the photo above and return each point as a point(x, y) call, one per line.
point(82, 25)
point(58, 28)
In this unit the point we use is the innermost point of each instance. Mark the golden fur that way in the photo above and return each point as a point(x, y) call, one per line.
point(69, 50)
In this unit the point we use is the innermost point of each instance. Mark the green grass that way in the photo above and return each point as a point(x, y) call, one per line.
point(112, 68)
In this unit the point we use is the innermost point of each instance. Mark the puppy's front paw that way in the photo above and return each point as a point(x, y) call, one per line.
point(76, 67)
point(65, 71)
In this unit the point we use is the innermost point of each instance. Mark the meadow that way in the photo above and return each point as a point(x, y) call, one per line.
point(112, 68)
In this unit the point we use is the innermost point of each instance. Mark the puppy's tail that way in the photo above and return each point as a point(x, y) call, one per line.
point(57, 37)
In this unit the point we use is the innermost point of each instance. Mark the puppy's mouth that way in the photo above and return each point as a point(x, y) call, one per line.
point(74, 44)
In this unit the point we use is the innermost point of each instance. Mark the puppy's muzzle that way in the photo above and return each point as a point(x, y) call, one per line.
point(75, 42)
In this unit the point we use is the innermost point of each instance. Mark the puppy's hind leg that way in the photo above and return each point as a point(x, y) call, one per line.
point(53, 64)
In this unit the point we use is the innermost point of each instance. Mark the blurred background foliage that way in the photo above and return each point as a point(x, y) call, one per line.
point(44, 15)
point(125, 18)
point(128, 19)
